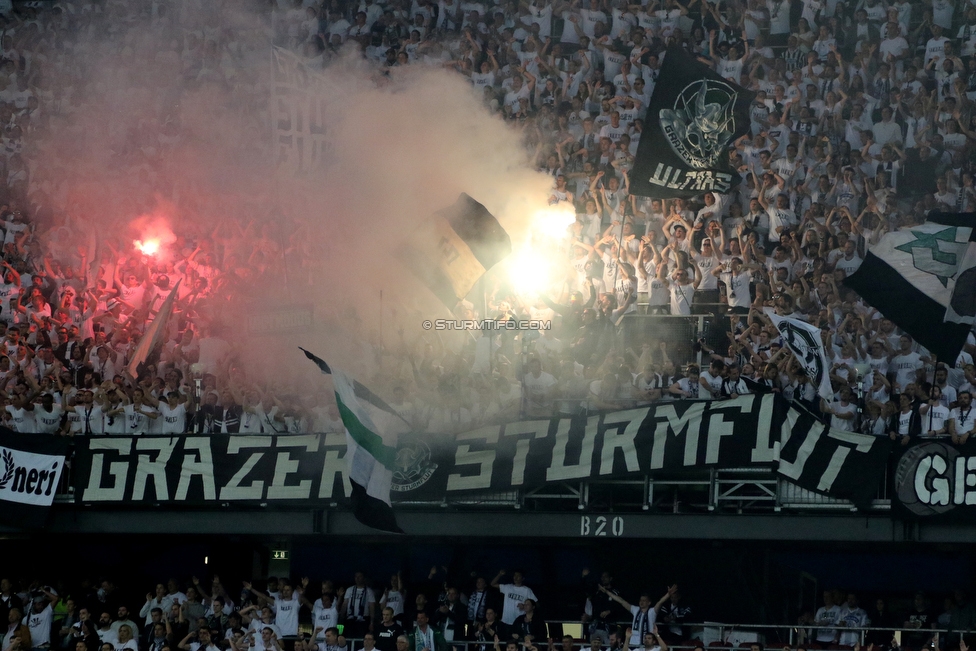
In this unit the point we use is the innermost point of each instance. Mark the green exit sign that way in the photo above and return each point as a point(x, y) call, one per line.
point(279, 554)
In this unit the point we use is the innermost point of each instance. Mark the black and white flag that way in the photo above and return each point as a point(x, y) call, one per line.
point(806, 344)
point(693, 117)
point(454, 248)
point(924, 279)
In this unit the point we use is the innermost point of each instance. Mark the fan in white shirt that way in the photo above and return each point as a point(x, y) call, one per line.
point(644, 614)
point(962, 419)
point(515, 594)
point(935, 415)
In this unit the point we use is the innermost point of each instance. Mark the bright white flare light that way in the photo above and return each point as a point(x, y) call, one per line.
point(552, 222)
point(149, 247)
point(531, 267)
point(528, 271)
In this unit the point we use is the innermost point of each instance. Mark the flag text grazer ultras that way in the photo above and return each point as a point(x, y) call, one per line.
point(694, 115)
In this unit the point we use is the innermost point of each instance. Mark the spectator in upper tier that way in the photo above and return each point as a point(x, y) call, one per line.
point(515, 594)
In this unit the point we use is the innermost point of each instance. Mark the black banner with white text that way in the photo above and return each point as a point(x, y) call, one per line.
point(935, 479)
point(752, 430)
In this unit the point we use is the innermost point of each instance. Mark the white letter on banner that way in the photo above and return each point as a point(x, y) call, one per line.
point(939, 495)
point(200, 464)
point(717, 428)
point(558, 470)
point(765, 452)
point(286, 465)
point(155, 469)
point(255, 490)
point(333, 465)
point(793, 469)
point(117, 469)
point(940, 485)
point(614, 439)
point(921, 470)
point(965, 479)
point(861, 442)
point(669, 422)
point(484, 459)
point(538, 427)
point(833, 468)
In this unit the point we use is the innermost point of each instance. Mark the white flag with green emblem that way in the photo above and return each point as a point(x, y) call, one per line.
point(930, 254)
point(372, 429)
point(924, 279)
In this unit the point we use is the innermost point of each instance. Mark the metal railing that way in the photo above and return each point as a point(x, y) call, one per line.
point(719, 636)
point(736, 490)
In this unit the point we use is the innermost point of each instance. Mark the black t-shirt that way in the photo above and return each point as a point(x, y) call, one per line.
point(536, 628)
point(386, 636)
point(927, 618)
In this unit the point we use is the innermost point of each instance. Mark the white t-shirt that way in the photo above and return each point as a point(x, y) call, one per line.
point(47, 422)
point(844, 425)
point(173, 419)
point(21, 420)
point(324, 618)
point(535, 390)
point(195, 646)
point(643, 622)
point(257, 626)
point(286, 614)
point(964, 419)
point(829, 615)
point(105, 637)
point(514, 595)
point(358, 601)
point(737, 288)
point(905, 367)
point(93, 420)
point(715, 385)
point(934, 419)
point(393, 599)
point(681, 298)
point(40, 625)
point(136, 421)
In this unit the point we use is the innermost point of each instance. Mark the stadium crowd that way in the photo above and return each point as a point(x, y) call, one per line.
point(436, 615)
point(862, 123)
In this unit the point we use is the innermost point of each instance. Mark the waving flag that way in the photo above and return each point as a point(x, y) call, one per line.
point(153, 336)
point(372, 428)
point(924, 279)
point(452, 250)
point(692, 118)
point(805, 343)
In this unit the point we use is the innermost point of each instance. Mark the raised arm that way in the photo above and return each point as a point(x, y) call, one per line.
point(615, 597)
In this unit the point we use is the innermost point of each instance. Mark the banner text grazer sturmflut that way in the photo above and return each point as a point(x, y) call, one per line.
point(753, 430)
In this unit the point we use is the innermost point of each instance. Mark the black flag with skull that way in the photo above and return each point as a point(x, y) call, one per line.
point(693, 118)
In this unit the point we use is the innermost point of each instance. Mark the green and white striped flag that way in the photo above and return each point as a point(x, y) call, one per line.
point(372, 428)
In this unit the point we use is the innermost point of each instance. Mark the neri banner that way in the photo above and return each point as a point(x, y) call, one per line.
point(752, 430)
point(30, 473)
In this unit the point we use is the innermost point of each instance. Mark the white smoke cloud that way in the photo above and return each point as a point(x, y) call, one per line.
point(139, 134)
